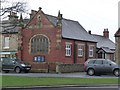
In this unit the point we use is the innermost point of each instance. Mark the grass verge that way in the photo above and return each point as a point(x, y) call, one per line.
point(10, 81)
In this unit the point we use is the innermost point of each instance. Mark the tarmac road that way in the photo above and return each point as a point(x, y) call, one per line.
point(67, 88)
point(77, 75)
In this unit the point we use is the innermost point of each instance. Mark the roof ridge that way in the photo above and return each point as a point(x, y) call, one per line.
point(62, 18)
point(97, 35)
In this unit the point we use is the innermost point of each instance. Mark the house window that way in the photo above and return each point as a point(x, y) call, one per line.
point(80, 50)
point(39, 44)
point(68, 49)
point(6, 42)
point(91, 51)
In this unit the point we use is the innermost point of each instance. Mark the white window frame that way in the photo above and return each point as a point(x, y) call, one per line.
point(6, 42)
point(80, 50)
point(91, 51)
point(68, 49)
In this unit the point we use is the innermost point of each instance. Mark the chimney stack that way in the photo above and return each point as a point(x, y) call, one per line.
point(13, 16)
point(106, 33)
point(33, 12)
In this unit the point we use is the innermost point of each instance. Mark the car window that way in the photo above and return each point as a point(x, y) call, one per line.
point(112, 62)
point(105, 62)
point(18, 60)
point(1, 59)
point(11, 61)
point(5, 60)
point(91, 61)
point(98, 62)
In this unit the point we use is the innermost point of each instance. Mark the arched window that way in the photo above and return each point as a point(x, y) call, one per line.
point(39, 44)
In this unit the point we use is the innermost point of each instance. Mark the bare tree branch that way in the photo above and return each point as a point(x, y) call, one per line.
point(13, 8)
point(18, 7)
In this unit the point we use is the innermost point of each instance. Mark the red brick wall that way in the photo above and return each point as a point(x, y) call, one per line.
point(82, 58)
point(74, 55)
point(54, 34)
point(48, 30)
point(64, 58)
point(94, 46)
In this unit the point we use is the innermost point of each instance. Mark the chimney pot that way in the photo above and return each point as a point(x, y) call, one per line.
point(106, 33)
point(40, 8)
point(89, 31)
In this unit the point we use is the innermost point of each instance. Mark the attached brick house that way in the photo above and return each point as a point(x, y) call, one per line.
point(105, 47)
point(8, 37)
point(117, 41)
point(50, 39)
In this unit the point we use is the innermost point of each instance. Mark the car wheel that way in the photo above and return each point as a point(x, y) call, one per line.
point(116, 72)
point(17, 69)
point(91, 72)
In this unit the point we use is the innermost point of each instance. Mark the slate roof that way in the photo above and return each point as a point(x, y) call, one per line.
point(104, 42)
point(107, 50)
point(72, 30)
point(8, 27)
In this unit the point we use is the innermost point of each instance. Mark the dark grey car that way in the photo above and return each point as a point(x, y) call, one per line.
point(101, 66)
point(14, 65)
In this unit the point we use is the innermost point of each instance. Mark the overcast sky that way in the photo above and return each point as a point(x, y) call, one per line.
point(94, 15)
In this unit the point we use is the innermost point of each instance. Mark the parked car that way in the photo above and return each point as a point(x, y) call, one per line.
point(101, 66)
point(14, 65)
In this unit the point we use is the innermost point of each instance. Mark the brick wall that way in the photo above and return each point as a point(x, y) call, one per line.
point(47, 29)
point(65, 68)
point(56, 67)
point(43, 67)
point(117, 52)
point(13, 42)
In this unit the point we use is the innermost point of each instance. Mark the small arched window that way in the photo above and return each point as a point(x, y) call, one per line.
point(39, 44)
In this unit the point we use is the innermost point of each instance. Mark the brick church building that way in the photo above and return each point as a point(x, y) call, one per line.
point(47, 38)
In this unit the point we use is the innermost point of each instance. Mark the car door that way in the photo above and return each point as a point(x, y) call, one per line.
point(11, 64)
point(98, 66)
point(8, 64)
point(5, 63)
point(107, 66)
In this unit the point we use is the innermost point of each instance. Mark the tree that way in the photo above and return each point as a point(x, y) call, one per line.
point(11, 7)
point(17, 7)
